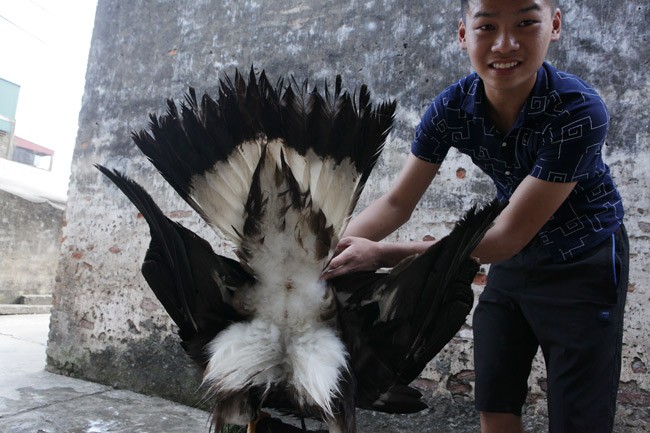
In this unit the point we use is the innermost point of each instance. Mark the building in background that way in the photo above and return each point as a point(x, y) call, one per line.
point(8, 102)
point(12, 147)
point(33, 154)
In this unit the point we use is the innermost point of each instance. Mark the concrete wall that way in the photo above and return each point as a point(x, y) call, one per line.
point(107, 326)
point(30, 238)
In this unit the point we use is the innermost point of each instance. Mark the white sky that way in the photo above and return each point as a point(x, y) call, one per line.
point(44, 49)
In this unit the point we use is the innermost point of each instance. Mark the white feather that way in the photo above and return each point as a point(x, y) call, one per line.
point(345, 179)
point(221, 192)
point(317, 359)
point(260, 353)
point(244, 355)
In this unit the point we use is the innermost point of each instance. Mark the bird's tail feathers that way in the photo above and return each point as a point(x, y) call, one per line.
point(208, 151)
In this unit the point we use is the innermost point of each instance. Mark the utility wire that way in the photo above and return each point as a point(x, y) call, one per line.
point(38, 5)
point(23, 29)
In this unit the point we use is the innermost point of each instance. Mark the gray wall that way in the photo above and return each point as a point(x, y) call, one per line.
point(30, 238)
point(106, 324)
point(4, 144)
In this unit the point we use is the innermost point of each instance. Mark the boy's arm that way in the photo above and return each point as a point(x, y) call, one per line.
point(359, 248)
point(532, 204)
point(394, 208)
point(565, 154)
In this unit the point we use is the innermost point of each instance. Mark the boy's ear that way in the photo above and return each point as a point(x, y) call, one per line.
point(461, 35)
point(557, 25)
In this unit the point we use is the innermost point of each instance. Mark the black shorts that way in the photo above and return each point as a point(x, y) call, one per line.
point(574, 311)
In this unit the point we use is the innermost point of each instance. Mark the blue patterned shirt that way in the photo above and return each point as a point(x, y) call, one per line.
point(557, 137)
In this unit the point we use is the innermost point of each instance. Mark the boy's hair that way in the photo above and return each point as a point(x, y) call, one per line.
point(464, 5)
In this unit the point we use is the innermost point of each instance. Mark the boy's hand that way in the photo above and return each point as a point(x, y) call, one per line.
point(353, 254)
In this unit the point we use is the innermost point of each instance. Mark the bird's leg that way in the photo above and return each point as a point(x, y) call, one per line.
point(334, 428)
point(250, 428)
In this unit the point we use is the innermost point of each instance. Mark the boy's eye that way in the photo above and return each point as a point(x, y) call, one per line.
point(486, 27)
point(527, 23)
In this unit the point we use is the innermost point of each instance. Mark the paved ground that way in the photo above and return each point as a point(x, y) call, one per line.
point(35, 401)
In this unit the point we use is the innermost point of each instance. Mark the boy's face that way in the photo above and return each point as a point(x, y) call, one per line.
point(507, 41)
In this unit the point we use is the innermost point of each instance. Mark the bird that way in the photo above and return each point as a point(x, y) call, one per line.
point(278, 170)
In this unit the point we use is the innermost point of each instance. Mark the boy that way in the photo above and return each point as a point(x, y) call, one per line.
point(558, 251)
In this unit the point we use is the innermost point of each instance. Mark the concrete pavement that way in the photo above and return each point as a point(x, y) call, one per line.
point(35, 401)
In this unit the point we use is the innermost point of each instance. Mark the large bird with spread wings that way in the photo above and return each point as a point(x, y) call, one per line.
point(278, 170)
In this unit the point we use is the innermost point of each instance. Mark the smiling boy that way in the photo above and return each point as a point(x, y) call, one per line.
point(559, 251)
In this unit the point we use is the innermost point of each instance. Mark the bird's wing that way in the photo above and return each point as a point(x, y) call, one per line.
point(404, 318)
point(196, 287)
point(218, 154)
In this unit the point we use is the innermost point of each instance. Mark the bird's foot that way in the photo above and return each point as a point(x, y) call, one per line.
point(252, 426)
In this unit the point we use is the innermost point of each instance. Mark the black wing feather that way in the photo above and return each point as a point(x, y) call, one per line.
point(394, 324)
point(190, 280)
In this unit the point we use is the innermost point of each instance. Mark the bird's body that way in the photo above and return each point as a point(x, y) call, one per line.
point(278, 172)
point(292, 332)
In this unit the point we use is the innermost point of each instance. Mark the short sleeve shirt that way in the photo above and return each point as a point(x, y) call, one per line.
point(557, 137)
